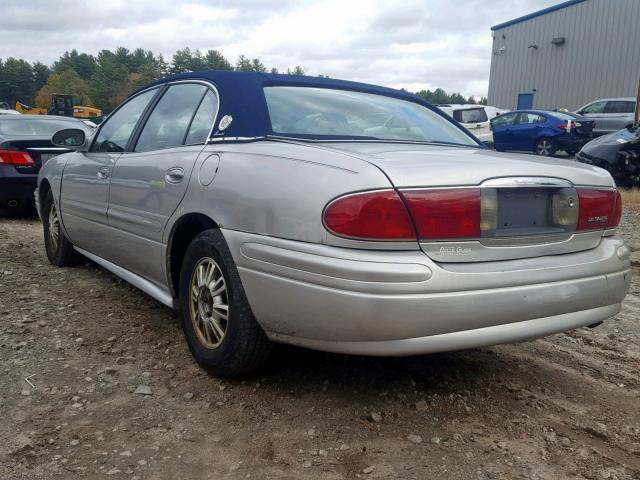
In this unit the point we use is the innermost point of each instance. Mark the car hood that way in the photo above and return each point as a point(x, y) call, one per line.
point(410, 165)
point(610, 142)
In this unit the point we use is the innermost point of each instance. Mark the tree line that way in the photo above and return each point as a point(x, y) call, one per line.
point(104, 80)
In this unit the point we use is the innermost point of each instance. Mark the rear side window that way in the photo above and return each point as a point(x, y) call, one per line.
point(620, 107)
point(504, 120)
point(203, 120)
point(117, 129)
point(530, 118)
point(167, 125)
point(475, 115)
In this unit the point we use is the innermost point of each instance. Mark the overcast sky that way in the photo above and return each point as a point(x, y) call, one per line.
point(398, 43)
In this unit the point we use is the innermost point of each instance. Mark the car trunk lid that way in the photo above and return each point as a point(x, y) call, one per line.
point(524, 191)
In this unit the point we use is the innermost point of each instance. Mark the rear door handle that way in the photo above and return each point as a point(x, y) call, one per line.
point(174, 175)
point(103, 172)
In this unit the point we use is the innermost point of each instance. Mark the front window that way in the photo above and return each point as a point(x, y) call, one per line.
point(597, 107)
point(471, 115)
point(324, 113)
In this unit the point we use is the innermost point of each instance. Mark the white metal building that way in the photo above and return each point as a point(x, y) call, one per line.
point(566, 55)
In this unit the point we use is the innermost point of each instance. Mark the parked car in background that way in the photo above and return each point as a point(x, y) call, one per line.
point(618, 153)
point(473, 117)
point(8, 111)
point(333, 215)
point(493, 112)
point(609, 114)
point(540, 131)
point(25, 145)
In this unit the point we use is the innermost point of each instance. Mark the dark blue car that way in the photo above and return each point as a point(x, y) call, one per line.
point(25, 145)
point(541, 131)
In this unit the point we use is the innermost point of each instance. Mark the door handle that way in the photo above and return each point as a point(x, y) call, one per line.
point(174, 175)
point(103, 172)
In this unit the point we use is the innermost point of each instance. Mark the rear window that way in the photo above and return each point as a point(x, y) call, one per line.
point(472, 115)
point(37, 127)
point(325, 113)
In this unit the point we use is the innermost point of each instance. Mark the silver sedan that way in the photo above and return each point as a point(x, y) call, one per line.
point(332, 215)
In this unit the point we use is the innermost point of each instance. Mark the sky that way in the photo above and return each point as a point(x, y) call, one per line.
point(397, 43)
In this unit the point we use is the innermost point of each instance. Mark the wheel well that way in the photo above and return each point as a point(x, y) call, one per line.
point(184, 231)
point(43, 191)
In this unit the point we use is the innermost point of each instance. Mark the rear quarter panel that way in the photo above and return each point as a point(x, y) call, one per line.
point(273, 188)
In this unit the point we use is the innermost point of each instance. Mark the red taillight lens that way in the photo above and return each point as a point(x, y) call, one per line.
point(14, 157)
point(598, 208)
point(377, 215)
point(445, 213)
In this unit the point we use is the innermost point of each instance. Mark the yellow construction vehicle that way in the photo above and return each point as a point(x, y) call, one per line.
point(61, 104)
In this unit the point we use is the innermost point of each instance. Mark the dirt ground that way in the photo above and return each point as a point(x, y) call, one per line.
point(96, 382)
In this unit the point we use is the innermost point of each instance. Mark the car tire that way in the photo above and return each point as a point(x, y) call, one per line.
point(545, 147)
point(210, 286)
point(59, 249)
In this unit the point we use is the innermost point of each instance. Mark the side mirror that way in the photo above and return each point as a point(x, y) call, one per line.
point(72, 138)
point(580, 112)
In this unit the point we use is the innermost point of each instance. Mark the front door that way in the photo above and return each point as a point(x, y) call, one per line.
point(525, 101)
point(84, 194)
point(149, 182)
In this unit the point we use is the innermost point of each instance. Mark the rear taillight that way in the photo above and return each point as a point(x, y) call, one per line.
point(15, 157)
point(459, 213)
point(379, 215)
point(446, 213)
point(598, 209)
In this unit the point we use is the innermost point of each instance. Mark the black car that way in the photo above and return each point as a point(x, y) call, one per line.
point(25, 145)
point(618, 153)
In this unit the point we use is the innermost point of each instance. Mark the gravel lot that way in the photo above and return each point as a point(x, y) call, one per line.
point(96, 382)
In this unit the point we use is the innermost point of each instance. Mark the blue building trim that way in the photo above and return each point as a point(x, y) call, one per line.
point(539, 13)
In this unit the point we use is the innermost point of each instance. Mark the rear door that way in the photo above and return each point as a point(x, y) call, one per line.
point(501, 128)
point(526, 130)
point(150, 180)
point(85, 183)
point(618, 114)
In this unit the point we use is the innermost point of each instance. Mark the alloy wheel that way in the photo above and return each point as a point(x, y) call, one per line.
point(209, 302)
point(54, 227)
point(544, 148)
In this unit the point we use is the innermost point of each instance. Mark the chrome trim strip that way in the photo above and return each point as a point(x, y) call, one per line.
point(509, 182)
point(48, 149)
point(151, 289)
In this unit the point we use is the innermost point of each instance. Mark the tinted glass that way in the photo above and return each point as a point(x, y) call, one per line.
point(504, 120)
point(328, 113)
point(168, 123)
point(202, 122)
point(475, 115)
point(38, 127)
point(530, 118)
point(597, 107)
point(620, 107)
point(116, 130)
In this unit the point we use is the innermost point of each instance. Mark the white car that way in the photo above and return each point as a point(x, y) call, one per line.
point(473, 117)
point(5, 111)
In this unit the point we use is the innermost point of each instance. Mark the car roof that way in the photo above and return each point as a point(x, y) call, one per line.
point(27, 118)
point(616, 99)
point(241, 95)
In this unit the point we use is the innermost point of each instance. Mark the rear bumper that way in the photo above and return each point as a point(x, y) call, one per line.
point(572, 141)
point(16, 190)
point(402, 303)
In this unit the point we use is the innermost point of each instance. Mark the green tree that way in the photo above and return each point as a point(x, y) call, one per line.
point(297, 70)
point(16, 81)
point(64, 82)
point(214, 60)
point(84, 65)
